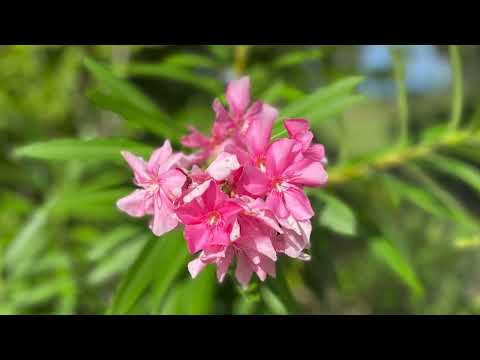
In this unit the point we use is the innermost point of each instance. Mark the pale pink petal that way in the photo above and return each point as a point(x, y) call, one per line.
point(306, 172)
point(259, 132)
point(175, 160)
point(164, 218)
point(276, 204)
point(223, 166)
point(238, 95)
point(172, 182)
point(159, 156)
point(280, 155)
point(134, 204)
point(224, 264)
point(197, 191)
point(298, 203)
point(195, 267)
point(244, 271)
point(235, 233)
point(138, 165)
point(254, 181)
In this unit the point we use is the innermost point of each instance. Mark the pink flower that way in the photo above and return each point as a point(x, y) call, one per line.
point(299, 130)
point(250, 243)
point(282, 178)
point(160, 185)
point(229, 127)
point(208, 218)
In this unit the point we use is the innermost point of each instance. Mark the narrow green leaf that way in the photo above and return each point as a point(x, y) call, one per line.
point(177, 73)
point(273, 302)
point(457, 169)
point(109, 240)
point(392, 257)
point(293, 58)
point(86, 150)
point(193, 296)
point(417, 195)
point(120, 88)
point(117, 262)
point(336, 215)
point(21, 246)
point(159, 262)
point(312, 104)
point(135, 116)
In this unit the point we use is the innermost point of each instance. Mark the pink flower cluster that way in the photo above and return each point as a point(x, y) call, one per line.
point(249, 204)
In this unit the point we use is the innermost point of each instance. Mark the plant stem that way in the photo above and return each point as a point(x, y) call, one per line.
point(241, 54)
point(457, 87)
point(344, 173)
point(402, 102)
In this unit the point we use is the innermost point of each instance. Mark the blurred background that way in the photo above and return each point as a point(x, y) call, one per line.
point(395, 231)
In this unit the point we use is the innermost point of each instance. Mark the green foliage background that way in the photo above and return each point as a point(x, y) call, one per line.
point(396, 229)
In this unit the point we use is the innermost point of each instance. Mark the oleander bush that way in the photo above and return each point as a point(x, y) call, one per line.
point(395, 228)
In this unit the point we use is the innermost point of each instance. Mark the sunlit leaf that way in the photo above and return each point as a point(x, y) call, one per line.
point(395, 260)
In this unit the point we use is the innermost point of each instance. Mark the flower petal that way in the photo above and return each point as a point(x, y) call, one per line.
point(254, 181)
point(223, 166)
point(280, 155)
point(172, 182)
point(164, 218)
point(138, 165)
point(238, 95)
point(197, 236)
point(259, 132)
point(276, 203)
point(134, 204)
point(224, 264)
point(298, 203)
point(244, 271)
point(159, 156)
point(195, 267)
point(306, 172)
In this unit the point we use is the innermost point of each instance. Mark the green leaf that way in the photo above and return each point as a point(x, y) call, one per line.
point(120, 88)
point(273, 302)
point(22, 245)
point(293, 58)
point(159, 262)
point(336, 215)
point(191, 60)
point(395, 260)
point(177, 73)
point(120, 96)
point(334, 98)
point(193, 296)
point(108, 241)
point(117, 262)
point(136, 117)
point(417, 195)
point(86, 150)
point(457, 169)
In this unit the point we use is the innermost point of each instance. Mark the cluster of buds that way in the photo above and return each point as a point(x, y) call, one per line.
point(248, 204)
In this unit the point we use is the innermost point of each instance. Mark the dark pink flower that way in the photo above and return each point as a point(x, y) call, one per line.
point(208, 218)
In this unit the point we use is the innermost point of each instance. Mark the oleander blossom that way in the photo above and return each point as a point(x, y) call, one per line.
point(247, 206)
